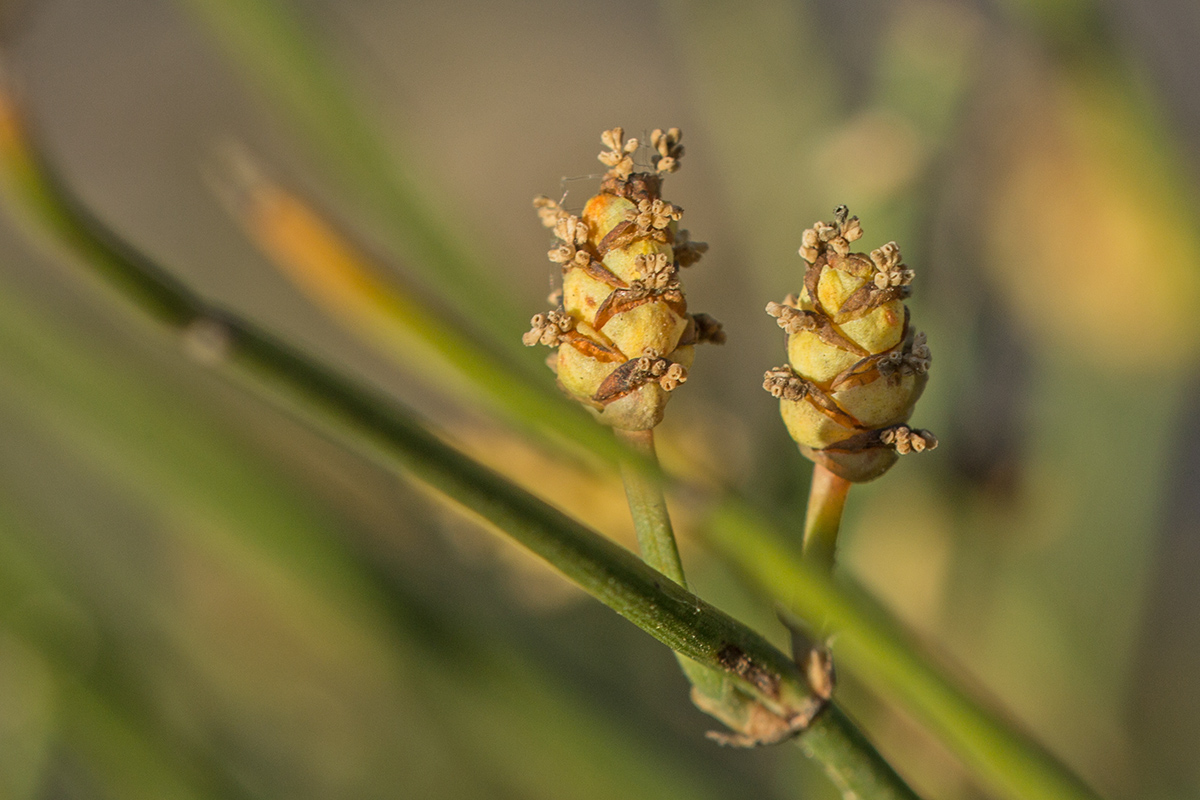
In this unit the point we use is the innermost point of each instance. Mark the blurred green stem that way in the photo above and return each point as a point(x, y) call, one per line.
point(277, 49)
point(851, 763)
point(854, 766)
point(826, 499)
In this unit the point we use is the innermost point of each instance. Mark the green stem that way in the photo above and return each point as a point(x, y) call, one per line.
point(749, 663)
point(826, 499)
point(648, 507)
point(656, 542)
point(846, 764)
point(851, 763)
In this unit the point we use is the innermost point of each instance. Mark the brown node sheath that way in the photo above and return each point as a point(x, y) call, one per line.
point(812, 279)
point(869, 297)
point(852, 264)
point(868, 440)
point(867, 370)
point(637, 187)
point(830, 407)
point(875, 440)
point(815, 322)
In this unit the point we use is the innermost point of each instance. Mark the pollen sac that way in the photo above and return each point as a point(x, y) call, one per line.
point(856, 365)
point(624, 336)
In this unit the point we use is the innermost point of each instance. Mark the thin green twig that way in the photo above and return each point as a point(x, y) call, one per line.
point(851, 763)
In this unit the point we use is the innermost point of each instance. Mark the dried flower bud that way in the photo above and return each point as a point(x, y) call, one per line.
point(624, 336)
point(856, 365)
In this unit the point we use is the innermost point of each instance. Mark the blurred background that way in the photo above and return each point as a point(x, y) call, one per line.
point(203, 596)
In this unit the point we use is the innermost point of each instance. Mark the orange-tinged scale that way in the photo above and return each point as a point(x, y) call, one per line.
point(603, 213)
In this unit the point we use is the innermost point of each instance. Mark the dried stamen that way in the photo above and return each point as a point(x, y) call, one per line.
point(687, 252)
point(669, 149)
point(890, 272)
point(548, 211)
point(908, 440)
point(652, 217)
point(707, 329)
point(785, 384)
point(835, 236)
point(911, 360)
point(550, 328)
point(619, 156)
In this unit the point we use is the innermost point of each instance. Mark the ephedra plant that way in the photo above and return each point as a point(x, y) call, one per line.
point(623, 340)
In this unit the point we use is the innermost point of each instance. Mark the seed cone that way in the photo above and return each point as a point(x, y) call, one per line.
point(623, 333)
point(857, 366)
